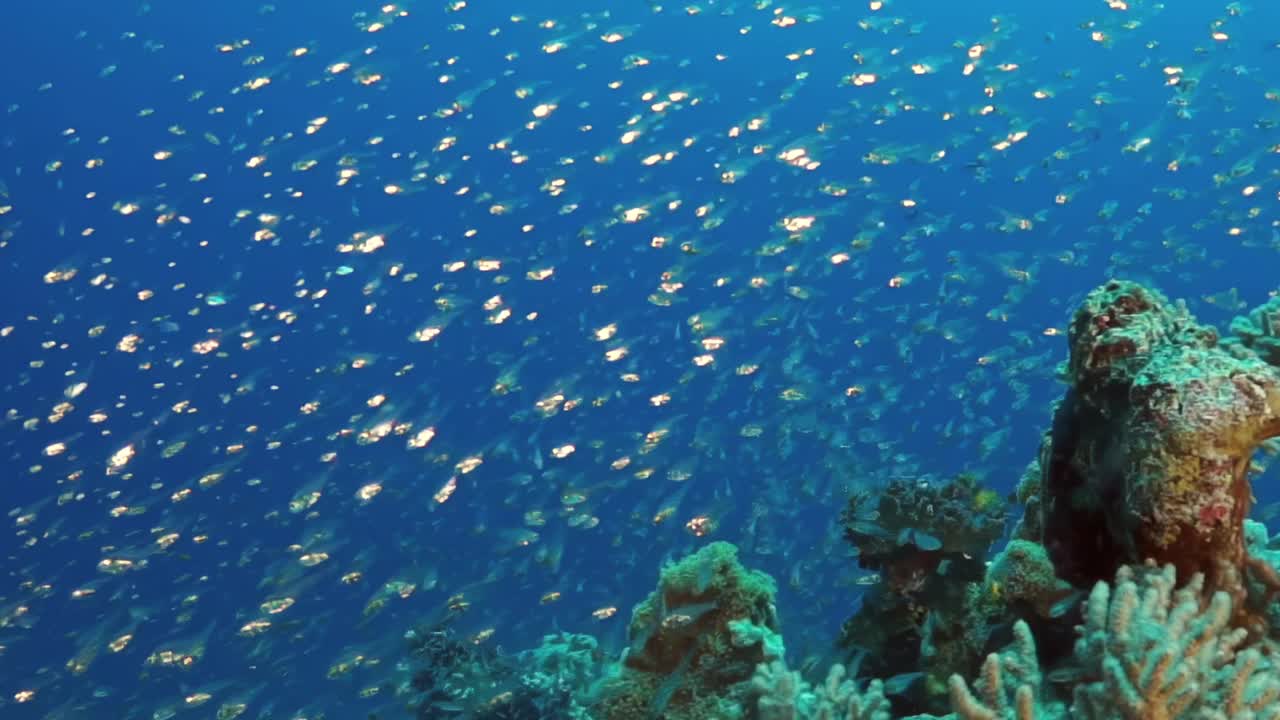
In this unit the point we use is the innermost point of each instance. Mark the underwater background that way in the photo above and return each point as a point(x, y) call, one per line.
point(325, 321)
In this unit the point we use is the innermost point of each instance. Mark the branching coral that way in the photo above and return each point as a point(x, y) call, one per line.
point(1009, 687)
point(1155, 652)
point(783, 695)
point(1146, 651)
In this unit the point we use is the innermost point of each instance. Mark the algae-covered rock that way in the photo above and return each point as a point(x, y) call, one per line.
point(1150, 446)
point(695, 641)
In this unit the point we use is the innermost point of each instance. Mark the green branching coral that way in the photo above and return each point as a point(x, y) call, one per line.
point(782, 694)
point(1146, 651)
point(1156, 652)
point(1009, 687)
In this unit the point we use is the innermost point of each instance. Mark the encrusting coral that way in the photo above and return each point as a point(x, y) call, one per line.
point(1023, 572)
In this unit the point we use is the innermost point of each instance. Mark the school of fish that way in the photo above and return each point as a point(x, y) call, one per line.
point(320, 319)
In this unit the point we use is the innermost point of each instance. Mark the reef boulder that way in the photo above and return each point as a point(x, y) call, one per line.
point(1151, 444)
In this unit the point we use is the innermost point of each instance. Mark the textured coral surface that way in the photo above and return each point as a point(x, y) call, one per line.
point(1150, 446)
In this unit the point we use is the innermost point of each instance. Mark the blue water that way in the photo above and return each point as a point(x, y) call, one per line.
point(927, 406)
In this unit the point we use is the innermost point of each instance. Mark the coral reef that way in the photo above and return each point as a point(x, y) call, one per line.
point(1150, 446)
point(1148, 460)
point(695, 641)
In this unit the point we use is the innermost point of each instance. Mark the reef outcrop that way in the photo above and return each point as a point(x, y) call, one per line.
point(1150, 448)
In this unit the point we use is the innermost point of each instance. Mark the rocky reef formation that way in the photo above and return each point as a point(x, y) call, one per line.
point(1151, 444)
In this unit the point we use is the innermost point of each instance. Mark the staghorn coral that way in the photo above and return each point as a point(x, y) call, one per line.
point(695, 641)
point(1151, 444)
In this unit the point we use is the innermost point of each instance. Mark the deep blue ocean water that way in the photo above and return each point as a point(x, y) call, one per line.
point(954, 368)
